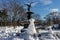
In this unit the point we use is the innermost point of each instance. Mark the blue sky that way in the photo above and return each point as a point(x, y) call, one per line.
point(42, 7)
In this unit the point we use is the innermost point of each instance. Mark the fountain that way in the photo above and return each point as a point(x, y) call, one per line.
point(31, 31)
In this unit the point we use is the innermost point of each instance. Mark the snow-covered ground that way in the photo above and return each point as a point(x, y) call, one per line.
point(11, 33)
point(44, 35)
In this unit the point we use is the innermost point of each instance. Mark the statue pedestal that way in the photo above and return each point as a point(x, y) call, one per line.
point(29, 14)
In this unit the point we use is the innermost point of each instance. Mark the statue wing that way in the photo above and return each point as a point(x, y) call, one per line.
point(31, 3)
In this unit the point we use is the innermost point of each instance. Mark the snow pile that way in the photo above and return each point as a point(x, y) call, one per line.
point(17, 39)
point(19, 28)
point(31, 27)
point(14, 30)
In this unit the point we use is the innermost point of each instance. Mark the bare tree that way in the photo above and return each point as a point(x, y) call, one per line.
point(15, 9)
point(3, 16)
point(53, 18)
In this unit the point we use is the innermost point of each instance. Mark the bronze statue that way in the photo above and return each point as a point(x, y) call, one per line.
point(29, 6)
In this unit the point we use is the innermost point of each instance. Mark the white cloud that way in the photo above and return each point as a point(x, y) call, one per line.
point(46, 2)
point(54, 10)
